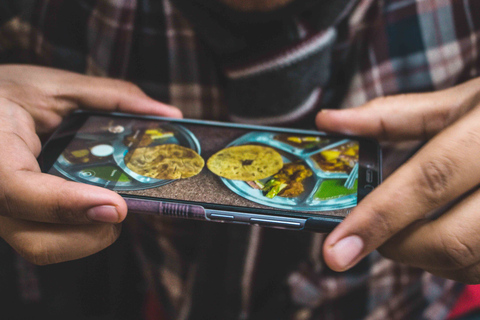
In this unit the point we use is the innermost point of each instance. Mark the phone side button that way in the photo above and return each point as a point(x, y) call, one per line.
point(220, 216)
point(369, 176)
point(276, 223)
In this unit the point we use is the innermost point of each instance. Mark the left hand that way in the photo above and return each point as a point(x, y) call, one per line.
point(394, 218)
point(45, 218)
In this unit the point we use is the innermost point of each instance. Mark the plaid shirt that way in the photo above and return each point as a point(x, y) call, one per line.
point(210, 271)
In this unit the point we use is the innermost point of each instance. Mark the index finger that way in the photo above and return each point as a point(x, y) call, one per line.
point(443, 170)
point(402, 117)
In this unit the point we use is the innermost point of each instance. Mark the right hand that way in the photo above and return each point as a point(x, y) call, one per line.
point(47, 219)
point(425, 214)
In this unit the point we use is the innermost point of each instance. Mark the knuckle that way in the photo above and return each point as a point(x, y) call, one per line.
point(434, 179)
point(379, 104)
point(457, 252)
point(61, 215)
point(58, 213)
point(129, 87)
point(441, 118)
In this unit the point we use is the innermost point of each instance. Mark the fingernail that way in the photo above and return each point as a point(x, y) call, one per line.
point(347, 250)
point(103, 214)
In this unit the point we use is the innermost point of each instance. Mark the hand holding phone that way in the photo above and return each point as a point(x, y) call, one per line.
point(44, 217)
point(426, 213)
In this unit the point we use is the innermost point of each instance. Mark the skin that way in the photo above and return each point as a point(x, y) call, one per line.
point(45, 218)
point(49, 220)
point(394, 218)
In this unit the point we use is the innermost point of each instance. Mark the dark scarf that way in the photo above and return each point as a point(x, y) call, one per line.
point(276, 63)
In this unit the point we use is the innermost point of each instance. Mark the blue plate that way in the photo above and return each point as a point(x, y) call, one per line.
point(305, 201)
point(86, 173)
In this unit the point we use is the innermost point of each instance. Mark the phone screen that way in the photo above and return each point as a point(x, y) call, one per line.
point(265, 168)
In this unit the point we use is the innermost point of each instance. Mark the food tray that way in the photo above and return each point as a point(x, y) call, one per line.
point(110, 171)
point(307, 201)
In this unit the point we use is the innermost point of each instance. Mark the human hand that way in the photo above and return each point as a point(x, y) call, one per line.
point(43, 217)
point(395, 217)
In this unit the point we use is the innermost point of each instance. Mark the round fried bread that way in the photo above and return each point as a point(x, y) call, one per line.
point(247, 162)
point(167, 161)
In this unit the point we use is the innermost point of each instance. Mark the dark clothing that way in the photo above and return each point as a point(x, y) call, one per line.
point(372, 48)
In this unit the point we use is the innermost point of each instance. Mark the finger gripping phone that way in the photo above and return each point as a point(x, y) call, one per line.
point(275, 177)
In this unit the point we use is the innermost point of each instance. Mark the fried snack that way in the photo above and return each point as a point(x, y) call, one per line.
point(167, 161)
point(144, 138)
point(302, 142)
point(340, 159)
point(247, 162)
point(288, 182)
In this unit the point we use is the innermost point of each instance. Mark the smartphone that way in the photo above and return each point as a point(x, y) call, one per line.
point(274, 177)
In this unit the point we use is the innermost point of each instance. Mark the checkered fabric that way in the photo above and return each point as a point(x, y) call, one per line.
point(196, 62)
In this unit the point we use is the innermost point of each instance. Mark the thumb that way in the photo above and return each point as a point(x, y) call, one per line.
point(28, 194)
point(41, 197)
